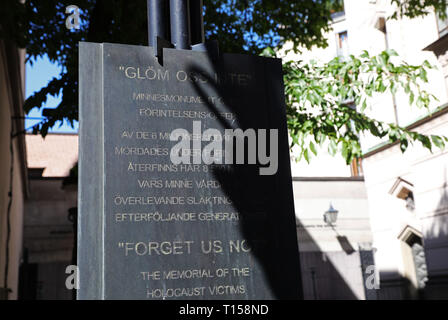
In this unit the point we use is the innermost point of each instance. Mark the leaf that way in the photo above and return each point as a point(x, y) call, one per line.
point(332, 148)
point(268, 52)
point(411, 98)
point(364, 104)
point(426, 142)
point(306, 155)
point(438, 141)
point(403, 145)
point(313, 148)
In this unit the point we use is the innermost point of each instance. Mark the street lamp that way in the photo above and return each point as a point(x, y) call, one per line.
point(331, 215)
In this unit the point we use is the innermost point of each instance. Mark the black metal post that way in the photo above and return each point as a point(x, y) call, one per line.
point(196, 21)
point(156, 21)
point(180, 23)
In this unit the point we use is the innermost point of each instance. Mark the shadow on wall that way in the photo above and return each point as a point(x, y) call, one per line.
point(393, 286)
point(320, 277)
point(48, 238)
point(439, 228)
point(436, 248)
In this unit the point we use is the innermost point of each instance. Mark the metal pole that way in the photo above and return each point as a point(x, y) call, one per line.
point(197, 21)
point(156, 21)
point(180, 24)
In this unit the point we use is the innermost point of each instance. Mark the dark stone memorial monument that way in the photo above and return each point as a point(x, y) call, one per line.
point(180, 214)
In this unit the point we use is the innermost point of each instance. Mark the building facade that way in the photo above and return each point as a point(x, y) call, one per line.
point(50, 217)
point(335, 257)
point(13, 168)
point(408, 202)
point(406, 193)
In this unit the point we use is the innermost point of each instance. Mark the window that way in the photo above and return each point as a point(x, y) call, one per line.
point(342, 44)
point(338, 11)
point(356, 167)
point(402, 189)
point(442, 25)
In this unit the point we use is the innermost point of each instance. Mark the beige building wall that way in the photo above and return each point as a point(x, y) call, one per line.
point(11, 101)
point(56, 154)
point(415, 40)
point(49, 237)
point(330, 255)
point(427, 175)
point(367, 28)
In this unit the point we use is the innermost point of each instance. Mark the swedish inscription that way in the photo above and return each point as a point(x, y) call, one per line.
point(174, 229)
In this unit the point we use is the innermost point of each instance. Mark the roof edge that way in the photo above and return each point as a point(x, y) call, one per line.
point(386, 145)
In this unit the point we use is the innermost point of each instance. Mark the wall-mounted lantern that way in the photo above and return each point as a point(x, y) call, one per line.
point(331, 215)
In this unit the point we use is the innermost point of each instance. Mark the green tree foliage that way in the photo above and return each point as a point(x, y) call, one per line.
point(326, 103)
point(417, 8)
point(239, 26)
